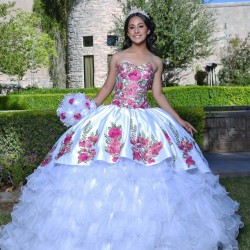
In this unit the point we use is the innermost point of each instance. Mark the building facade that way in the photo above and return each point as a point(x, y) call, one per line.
point(91, 41)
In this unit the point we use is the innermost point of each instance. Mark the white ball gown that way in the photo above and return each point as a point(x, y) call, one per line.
point(125, 177)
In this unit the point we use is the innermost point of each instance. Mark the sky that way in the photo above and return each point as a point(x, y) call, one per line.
point(226, 1)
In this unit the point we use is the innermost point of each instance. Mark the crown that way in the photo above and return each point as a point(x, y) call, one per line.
point(135, 10)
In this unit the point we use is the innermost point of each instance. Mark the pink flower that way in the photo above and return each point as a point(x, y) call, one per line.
point(92, 153)
point(136, 156)
point(114, 147)
point(123, 75)
point(46, 161)
point(190, 161)
point(167, 137)
point(148, 67)
point(81, 143)
point(83, 157)
point(71, 100)
point(119, 85)
point(87, 104)
point(146, 76)
point(151, 160)
point(88, 143)
point(135, 75)
point(116, 102)
point(94, 138)
point(77, 116)
point(114, 159)
point(63, 116)
point(115, 133)
point(67, 139)
point(154, 149)
point(53, 148)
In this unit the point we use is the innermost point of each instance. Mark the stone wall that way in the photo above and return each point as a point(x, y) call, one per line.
point(90, 18)
point(227, 131)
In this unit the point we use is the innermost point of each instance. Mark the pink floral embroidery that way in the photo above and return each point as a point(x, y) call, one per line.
point(65, 145)
point(186, 147)
point(87, 150)
point(48, 157)
point(132, 85)
point(113, 140)
point(167, 137)
point(135, 75)
point(144, 149)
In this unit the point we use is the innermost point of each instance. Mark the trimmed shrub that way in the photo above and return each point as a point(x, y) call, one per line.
point(27, 136)
point(25, 139)
point(192, 96)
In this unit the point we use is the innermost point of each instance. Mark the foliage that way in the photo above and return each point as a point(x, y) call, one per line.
point(190, 96)
point(4, 8)
point(238, 189)
point(184, 31)
point(23, 45)
point(25, 139)
point(236, 63)
point(54, 15)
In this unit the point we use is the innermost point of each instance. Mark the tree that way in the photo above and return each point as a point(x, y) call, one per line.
point(236, 62)
point(23, 45)
point(184, 30)
point(54, 15)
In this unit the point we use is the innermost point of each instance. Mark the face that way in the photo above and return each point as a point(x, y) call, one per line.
point(137, 30)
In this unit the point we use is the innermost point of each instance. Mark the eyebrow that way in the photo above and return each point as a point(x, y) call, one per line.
point(137, 24)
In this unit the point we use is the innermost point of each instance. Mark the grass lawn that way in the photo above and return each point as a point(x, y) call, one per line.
point(238, 188)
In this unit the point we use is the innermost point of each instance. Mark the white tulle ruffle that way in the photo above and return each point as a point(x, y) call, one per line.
point(122, 206)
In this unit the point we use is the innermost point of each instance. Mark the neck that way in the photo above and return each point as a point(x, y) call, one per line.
point(139, 48)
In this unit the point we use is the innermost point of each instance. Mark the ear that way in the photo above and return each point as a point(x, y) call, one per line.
point(148, 32)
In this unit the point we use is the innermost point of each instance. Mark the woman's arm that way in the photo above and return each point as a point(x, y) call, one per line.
point(162, 100)
point(109, 84)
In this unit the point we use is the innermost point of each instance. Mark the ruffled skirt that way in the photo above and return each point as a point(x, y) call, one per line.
point(122, 206)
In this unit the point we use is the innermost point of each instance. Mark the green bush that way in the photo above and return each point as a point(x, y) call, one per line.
point(25, 139)
point(27, 136)
point(192, 96)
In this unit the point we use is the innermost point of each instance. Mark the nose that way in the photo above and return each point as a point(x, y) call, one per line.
point(136, 29)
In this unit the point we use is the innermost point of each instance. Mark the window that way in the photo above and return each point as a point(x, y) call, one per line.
point(109, 58)
point(112, 40)
point(88, 41)
point(88, 66)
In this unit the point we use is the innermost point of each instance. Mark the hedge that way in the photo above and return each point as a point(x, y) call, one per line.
point(27, 136)
point(192, 96)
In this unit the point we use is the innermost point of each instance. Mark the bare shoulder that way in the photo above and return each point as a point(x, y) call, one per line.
point(157, 63)
point(118, 57)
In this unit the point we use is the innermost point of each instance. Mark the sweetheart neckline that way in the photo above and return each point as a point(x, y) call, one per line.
point(136, 66)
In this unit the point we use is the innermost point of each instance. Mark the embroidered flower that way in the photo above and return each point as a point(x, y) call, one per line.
point(135, 75)
point(113, 140)
point(87, 150)
point(48, 157)
point(65, 145)
point(186, 147)
point(144, 149)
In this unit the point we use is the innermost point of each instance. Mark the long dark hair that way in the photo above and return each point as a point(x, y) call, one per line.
point(151, 37)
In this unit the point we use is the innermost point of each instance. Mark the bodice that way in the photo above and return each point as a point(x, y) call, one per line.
point(132, 85)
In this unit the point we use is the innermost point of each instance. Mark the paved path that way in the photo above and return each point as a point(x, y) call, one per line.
point(235, 164)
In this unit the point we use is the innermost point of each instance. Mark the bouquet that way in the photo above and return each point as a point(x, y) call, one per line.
point(74, 107)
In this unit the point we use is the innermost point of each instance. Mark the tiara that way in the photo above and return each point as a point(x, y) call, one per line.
point(135, 10)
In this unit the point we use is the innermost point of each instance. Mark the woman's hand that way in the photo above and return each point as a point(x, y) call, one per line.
point(190, 129)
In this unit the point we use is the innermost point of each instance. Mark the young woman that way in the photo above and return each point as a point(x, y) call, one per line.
point(127, 176)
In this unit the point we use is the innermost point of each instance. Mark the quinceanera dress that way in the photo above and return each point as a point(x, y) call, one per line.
point(125, 177)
